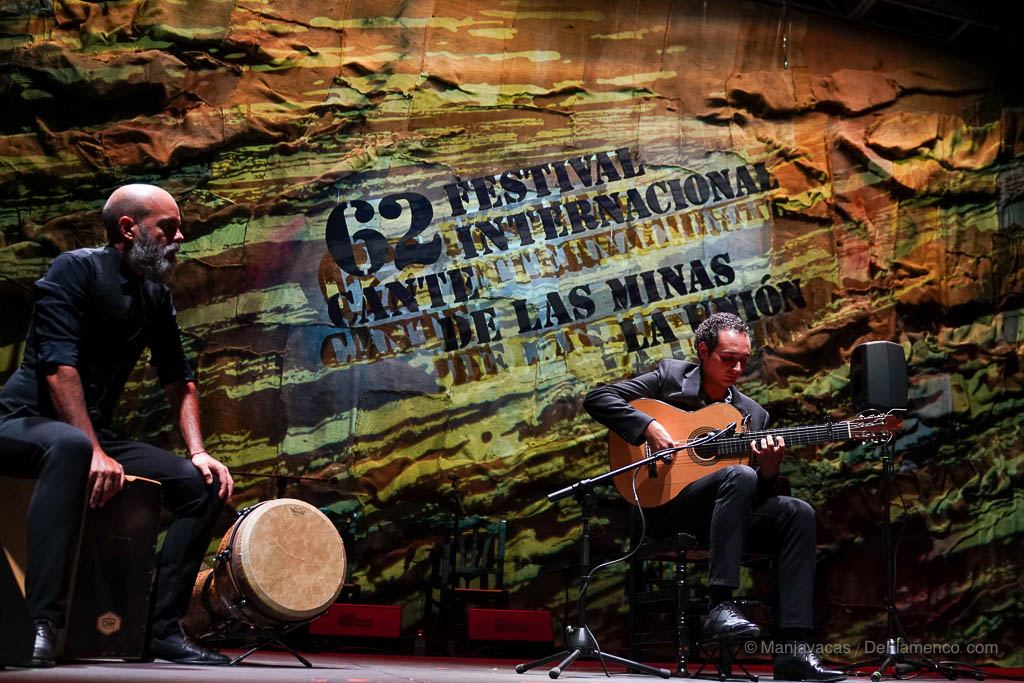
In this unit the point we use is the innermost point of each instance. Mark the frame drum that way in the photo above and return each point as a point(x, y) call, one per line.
point(282, 562)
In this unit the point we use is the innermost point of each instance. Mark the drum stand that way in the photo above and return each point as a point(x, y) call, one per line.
point(272, 636)
point(262, 635)
point(241, 628)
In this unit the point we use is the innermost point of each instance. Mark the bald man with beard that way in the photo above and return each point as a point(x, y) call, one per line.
point(95, 312)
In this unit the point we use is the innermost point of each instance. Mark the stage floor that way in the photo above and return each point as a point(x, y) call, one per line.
point(339, 668)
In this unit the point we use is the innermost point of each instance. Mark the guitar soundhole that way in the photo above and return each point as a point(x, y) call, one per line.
point(702, 455)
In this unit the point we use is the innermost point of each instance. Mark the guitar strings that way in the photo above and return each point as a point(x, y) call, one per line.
point(792, 435)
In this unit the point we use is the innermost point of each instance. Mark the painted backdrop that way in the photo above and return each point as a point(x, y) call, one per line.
point(418, 232)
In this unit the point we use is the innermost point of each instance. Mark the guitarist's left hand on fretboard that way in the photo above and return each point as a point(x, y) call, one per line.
point(769, 451)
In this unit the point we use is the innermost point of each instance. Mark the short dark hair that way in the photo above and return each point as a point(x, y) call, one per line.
point(707, 331)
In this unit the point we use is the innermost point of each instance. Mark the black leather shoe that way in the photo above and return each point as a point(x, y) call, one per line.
point(46, 641)
point(726, 622)
point(799, 663)
point(180, 649)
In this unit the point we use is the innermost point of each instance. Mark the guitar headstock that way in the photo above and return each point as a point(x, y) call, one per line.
point(876, 427)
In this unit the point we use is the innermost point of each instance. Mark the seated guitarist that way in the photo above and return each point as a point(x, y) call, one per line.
point(735, 508)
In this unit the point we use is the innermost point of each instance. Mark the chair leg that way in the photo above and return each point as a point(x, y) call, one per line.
point(677, 594)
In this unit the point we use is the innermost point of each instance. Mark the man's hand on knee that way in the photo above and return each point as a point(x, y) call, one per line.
point(106, 477)
point(208, 466)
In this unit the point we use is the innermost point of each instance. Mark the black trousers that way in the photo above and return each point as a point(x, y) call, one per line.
point(59, 456)
point(722, 510)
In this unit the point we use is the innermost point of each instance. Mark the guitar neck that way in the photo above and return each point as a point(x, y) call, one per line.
point(794, 436)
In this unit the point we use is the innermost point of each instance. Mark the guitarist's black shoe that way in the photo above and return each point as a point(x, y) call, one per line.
point(799, 663)
point(181, 649)
point(726, 622)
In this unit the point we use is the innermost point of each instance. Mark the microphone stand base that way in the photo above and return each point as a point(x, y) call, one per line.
point(580, 642)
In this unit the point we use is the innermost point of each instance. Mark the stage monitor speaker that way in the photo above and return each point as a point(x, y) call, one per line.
point(878, 376)
point(360, 621)
point(509, 624)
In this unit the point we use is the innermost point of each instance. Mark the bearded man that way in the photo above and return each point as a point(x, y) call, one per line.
point(95, 312)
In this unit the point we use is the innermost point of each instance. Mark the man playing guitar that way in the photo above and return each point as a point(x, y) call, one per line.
point(734, 508)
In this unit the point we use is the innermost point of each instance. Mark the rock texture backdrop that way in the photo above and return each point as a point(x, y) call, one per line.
point(418, 232)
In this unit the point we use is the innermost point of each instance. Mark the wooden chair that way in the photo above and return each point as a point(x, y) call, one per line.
point(666, 604)
point(346, 524)
point(469, 572)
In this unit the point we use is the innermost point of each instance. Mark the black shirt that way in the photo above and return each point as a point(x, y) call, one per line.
point(94, 313)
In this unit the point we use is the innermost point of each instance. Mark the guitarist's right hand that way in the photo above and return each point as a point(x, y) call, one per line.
point(658, 437)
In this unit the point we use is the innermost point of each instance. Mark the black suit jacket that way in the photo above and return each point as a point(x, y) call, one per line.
point(676, 382)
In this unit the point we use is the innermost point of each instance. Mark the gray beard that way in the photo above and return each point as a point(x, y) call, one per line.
point(151, 259)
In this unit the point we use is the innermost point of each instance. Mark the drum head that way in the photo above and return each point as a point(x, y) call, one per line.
point(292, 561)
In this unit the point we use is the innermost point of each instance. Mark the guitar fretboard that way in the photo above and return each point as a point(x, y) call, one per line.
point(794, 436)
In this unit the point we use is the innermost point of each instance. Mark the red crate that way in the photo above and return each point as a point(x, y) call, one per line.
point(509, 624)
point(368, 621)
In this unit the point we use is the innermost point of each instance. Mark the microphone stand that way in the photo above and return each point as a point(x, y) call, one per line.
point(580, 642)
point(895, 642)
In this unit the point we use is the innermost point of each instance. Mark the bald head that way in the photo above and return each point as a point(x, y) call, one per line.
point(144, 225)
point(134, 201)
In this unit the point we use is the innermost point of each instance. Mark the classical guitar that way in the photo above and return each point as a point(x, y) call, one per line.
point(659, 483)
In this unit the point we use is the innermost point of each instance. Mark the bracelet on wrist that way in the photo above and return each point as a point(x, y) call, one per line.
point(192, 455)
